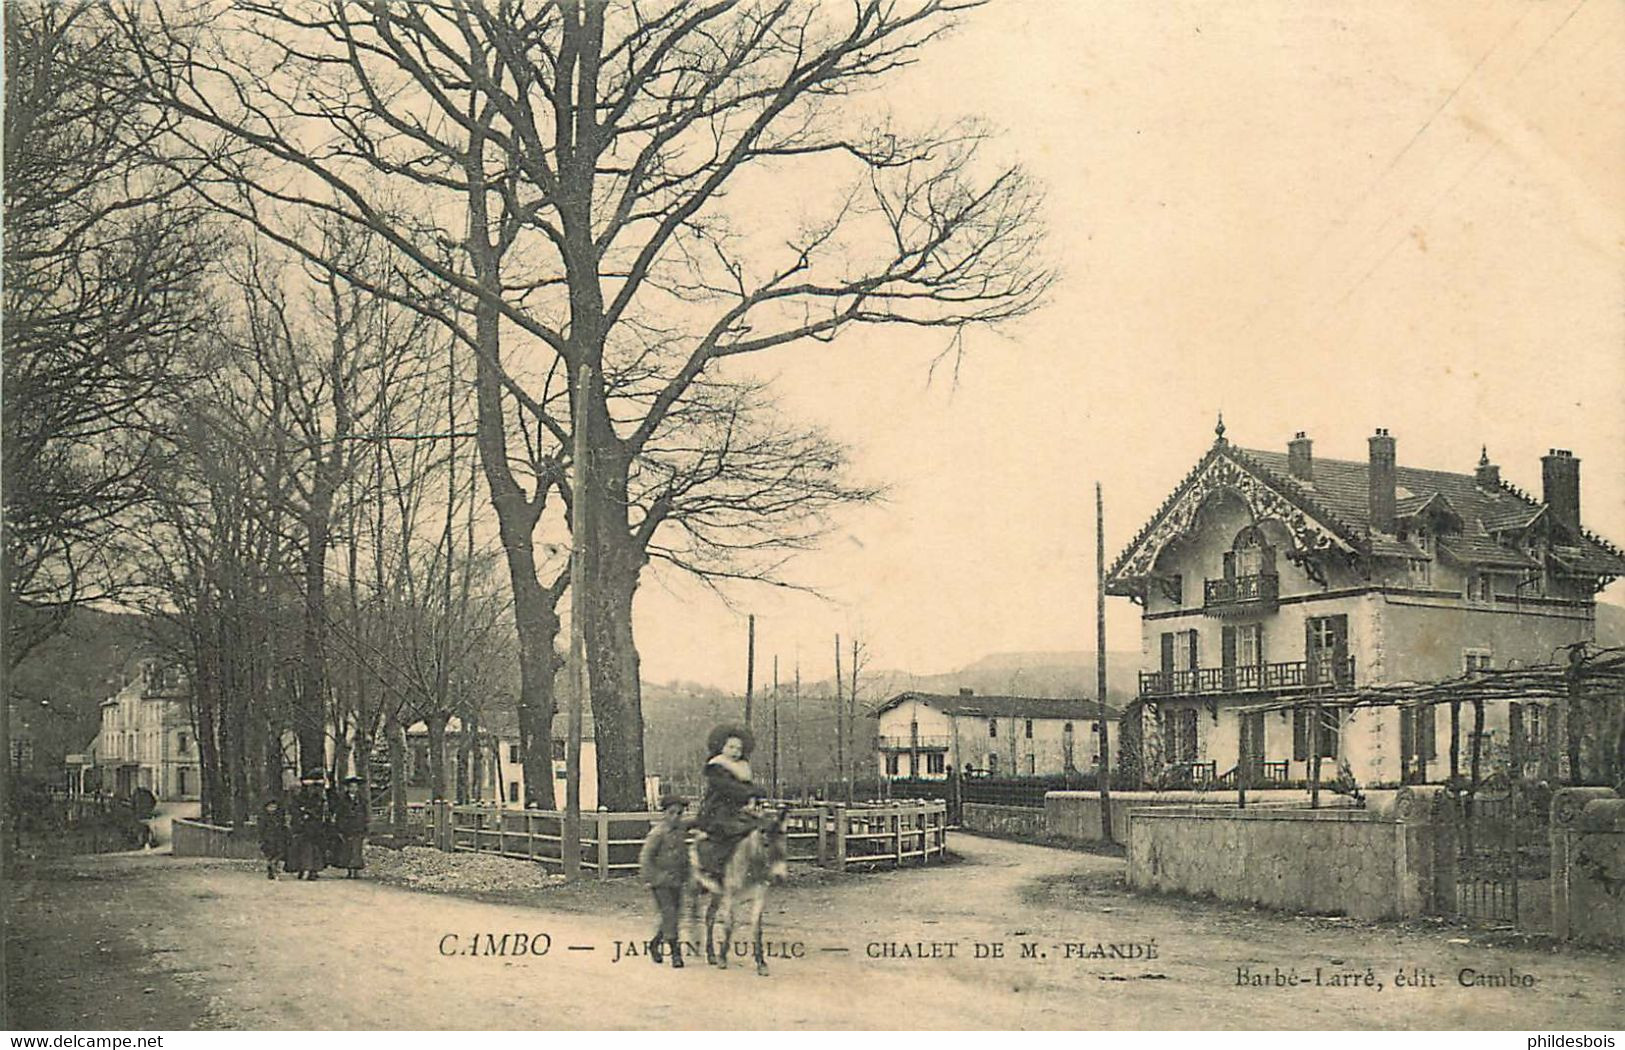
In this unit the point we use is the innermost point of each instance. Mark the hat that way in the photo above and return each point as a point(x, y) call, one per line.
point(667, 801)
point(720, 735)
point(353, 779)
point(312, 776)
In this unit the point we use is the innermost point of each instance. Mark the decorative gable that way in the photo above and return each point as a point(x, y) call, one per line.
point(1225, 470)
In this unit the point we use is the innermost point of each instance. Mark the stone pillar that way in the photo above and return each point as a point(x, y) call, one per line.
point(1425, 850)
point(1568, 807)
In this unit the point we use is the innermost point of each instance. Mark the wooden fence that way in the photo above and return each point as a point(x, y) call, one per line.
point(193, 838)
point(833, 835)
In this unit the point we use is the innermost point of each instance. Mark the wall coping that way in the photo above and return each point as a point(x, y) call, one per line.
point(1342, 816)
point(1224, 797)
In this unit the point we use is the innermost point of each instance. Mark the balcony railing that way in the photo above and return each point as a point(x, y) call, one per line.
point(1255, 678)
point(918, 743)
point(1261, 590)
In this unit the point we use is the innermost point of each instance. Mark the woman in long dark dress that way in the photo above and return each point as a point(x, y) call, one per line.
point(729, 788)
point(350, 820)
point(307, 824)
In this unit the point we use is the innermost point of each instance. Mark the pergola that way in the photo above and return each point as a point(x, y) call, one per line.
point(1589, 689)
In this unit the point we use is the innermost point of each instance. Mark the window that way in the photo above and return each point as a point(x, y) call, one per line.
point(1417, 732)
point(1027, 730)
point(558, 750)
point(513, 791)
point(891, 763)
point(1326, 647)
point(1534, 739)
point(1301, 731)
point(1032, 762)
point(513, 753)
point(935, 763)
point(1473, 660)
point(992, 728)
point(1179, 734)
point(1480, 587)
point(1421, 571)
point(992, 764)
point(180, 743)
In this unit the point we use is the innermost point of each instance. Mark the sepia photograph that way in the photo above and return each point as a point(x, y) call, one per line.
point(809, 515)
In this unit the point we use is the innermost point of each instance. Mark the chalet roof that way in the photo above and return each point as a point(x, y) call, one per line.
point(1004, 706)
point(1342, 487)
point(1333, 510)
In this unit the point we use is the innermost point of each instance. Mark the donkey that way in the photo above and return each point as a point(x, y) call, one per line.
point(758, 860)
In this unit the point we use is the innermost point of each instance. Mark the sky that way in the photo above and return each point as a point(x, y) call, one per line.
point(1325, 217)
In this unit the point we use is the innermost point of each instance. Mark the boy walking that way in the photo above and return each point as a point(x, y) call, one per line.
point(273, 837)
point(664, 863)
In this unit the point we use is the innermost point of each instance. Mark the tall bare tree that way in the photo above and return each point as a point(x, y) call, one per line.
point(646, 190)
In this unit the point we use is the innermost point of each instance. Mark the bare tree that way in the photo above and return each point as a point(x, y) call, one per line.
point(103, 266)
point(604, 145)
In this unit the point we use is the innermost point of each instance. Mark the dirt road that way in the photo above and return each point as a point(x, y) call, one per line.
point(213, 944)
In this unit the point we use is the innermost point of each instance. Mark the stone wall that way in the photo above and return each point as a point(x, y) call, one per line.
point(1588, 866)
point(1025, 821)
point(1338, 861)
point(195, 839)
point(1076, 814)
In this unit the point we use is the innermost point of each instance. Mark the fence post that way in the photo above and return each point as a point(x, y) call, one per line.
point(603, 845)
point(840, 837)
point(824, 831)
point(440, 822)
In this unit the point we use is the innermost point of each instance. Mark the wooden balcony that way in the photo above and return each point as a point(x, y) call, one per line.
point(1257, 678)
point(917, 743)
point(1243, 594)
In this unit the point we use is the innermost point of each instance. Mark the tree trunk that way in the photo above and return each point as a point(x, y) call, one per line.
point(436, 723)
point(612, 662)
point(536, 620)
point(311, 717)
point(397, 769)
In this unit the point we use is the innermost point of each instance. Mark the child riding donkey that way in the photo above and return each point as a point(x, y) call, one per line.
point(739, 852)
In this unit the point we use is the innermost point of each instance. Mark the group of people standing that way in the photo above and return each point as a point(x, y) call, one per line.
point(321, 826)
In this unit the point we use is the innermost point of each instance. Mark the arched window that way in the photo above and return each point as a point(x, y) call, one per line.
point(1249, 555)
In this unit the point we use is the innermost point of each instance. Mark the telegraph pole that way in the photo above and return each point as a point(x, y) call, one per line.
point(750, 667)
point(840, 719)
point(570, 847)
point(775, 725)
point(1103, 763)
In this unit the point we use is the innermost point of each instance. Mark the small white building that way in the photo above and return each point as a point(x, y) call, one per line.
point(923, 735)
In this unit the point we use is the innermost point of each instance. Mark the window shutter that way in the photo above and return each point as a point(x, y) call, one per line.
point(1340, 646)
point(1425, 731)
point(1229, 565)
point(1167, 653)
point(1407, 734)
point(1309, 651)
point(1328, 732)
point(1227, 648)
point(1300, 734)
point(1193, 663)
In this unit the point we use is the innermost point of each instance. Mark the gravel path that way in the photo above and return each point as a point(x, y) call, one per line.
point(214, 944)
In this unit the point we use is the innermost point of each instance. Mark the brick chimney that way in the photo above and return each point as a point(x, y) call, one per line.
point(1488, 474)
point(1380, 484)
point(1560, 486)
point(1299, 462)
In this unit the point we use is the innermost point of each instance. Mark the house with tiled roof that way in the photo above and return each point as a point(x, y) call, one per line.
point(923, 735)
point(1268, 575)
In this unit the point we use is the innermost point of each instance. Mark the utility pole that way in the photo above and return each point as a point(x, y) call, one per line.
point(750, 667)
point(1103, 763)
point(801, 752)
point(840, 720)
point(852, 721)
point(775, 725)
point(570, 848)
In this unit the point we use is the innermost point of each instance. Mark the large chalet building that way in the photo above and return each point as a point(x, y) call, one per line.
point(1268, 575)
